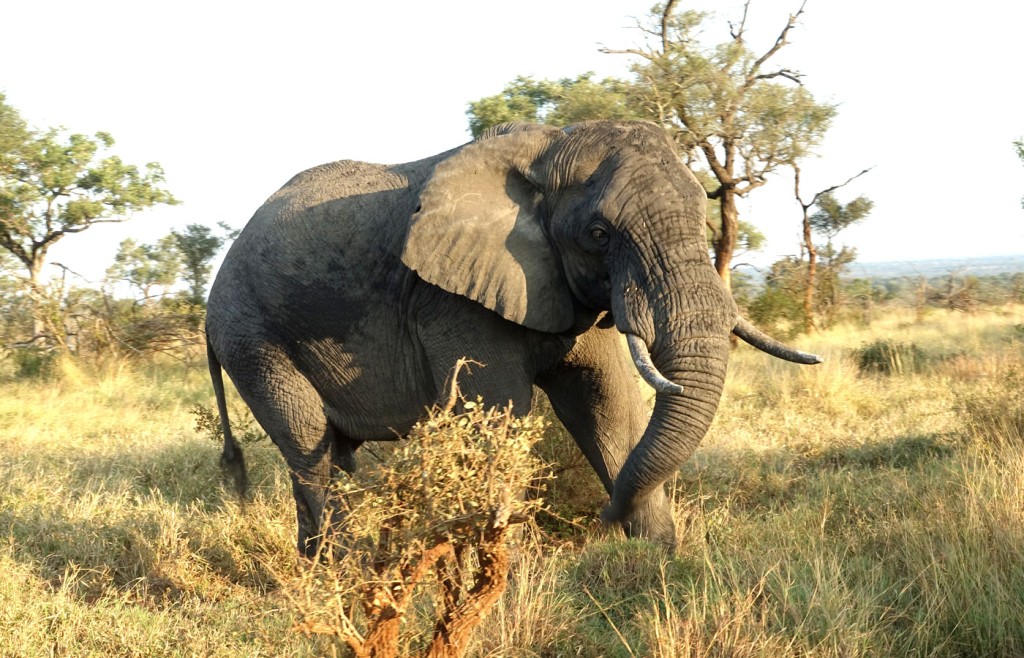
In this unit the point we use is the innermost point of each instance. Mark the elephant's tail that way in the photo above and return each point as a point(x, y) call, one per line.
point(231, 460)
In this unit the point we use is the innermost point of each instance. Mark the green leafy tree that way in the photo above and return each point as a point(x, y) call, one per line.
point(145, 267)
point(830, 218)
point(728, 111)
point(778, 303)
point(830, 294)
point(198, 244)
point(54, 184)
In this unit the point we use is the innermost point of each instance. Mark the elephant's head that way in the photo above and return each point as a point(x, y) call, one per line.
point(550, 227)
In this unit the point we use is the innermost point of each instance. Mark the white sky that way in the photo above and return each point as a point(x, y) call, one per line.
point(234, 98)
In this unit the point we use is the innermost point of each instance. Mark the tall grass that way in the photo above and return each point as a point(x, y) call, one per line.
point(836, 510)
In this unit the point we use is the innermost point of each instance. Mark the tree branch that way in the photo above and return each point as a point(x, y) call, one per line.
point(629, 51)
point(664, 25)
point(781, 73)
point(737, 35)
point(827, 190)
point(779, 43)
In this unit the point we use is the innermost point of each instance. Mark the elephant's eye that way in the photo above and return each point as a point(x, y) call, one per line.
point(598, 233)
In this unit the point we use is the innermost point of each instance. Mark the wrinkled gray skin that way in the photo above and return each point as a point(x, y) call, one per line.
point(342, 307)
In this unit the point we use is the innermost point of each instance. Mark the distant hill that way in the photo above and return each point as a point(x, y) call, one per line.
point(988, 266)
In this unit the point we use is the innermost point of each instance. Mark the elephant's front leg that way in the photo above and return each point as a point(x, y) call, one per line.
point(595, 392)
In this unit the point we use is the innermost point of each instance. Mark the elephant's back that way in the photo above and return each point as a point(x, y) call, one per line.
point(326, 242)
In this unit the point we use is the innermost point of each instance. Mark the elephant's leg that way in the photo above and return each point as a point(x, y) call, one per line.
point(488, 380)
point(291, 412)
point(596, 394)
point(497, 354)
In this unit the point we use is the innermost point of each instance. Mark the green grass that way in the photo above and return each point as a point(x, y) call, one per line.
point(831, 511)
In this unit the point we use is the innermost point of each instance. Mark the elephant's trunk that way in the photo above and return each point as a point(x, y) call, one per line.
point(678, 423)
point(687, 334)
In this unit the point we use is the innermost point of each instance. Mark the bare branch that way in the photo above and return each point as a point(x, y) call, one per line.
point(84, 225)
point(664, 24)
point(737, 34)
point(781, 73)
point(779, 43)
point(831, 189)
point(629, 51)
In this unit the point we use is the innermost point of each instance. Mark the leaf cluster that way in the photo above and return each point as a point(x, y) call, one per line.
point(554, 102)
point(724, 101)
point(180, 255)
point(833, 216)
point(454, 474)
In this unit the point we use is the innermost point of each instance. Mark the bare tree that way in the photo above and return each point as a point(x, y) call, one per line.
point(830, 210)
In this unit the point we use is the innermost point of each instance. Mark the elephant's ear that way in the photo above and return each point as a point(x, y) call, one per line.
point(478, 232)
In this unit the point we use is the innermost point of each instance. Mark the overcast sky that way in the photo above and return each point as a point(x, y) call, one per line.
point(234, 98)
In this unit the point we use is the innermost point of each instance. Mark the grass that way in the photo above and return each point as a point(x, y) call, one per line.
point(836, 510)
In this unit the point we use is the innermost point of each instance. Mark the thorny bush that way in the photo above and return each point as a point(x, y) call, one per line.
point(427, 524)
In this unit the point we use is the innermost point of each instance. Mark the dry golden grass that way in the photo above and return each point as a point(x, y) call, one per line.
point(830, 512)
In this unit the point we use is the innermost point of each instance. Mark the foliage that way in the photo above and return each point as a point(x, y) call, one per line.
point(434, 513)
point(54, 184)
point(244, 427)
point(145, 266)
point(725, 106)
point(555, 102)
point(156, 318)
point(778, 304)
point(889, 357)
point(197, 245)
point(721, 100)
point(828, 285)
point(833, 216)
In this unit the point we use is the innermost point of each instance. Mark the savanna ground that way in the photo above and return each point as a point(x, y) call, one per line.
point(869, 506)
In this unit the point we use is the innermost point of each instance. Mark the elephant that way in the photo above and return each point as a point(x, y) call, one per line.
point(343, 305)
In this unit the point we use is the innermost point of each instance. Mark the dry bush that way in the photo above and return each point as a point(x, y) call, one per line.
point(426, 528)
point(890, 357)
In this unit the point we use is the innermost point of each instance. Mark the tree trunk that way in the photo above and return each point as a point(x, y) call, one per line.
point(726, 243)
point(812, 273)
point(39, 330)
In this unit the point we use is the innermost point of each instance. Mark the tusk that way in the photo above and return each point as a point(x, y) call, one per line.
point(766, 343)
point(642, 360)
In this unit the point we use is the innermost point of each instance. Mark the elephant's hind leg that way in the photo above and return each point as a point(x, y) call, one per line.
point(291, 412)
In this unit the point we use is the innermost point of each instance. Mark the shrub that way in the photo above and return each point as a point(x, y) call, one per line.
point(889, 357)
point(428, 525)
point(34, 362)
